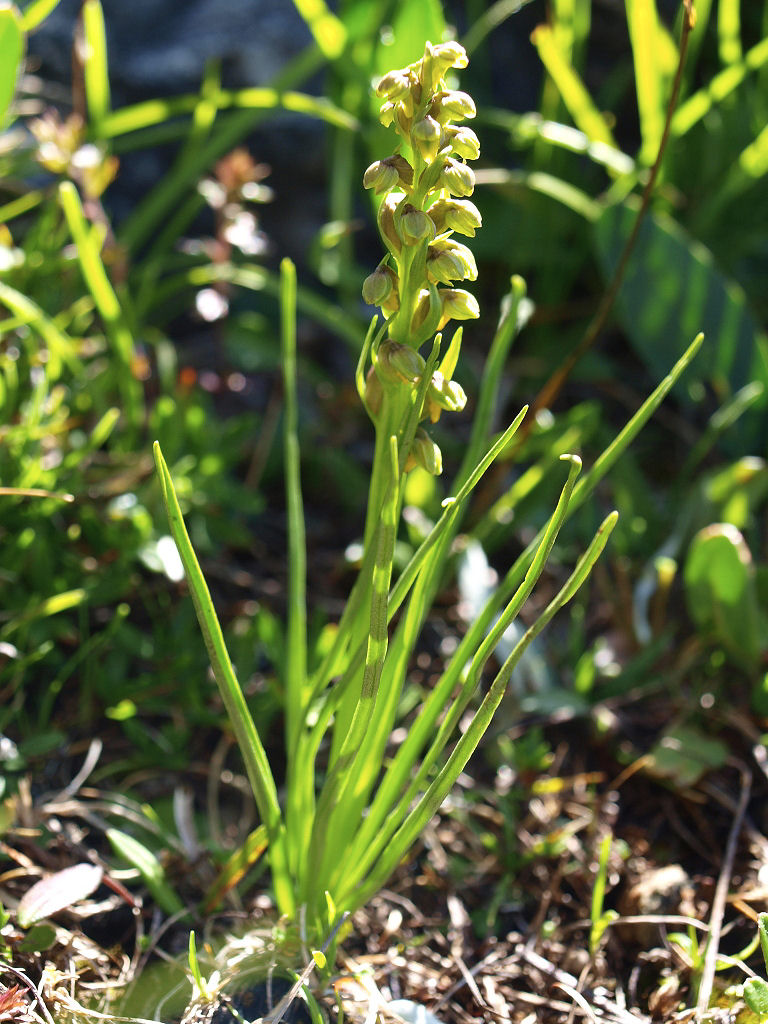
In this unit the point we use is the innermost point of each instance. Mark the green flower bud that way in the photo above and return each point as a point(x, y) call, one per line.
point(425, 135)
point(425, 453)
point(415, 225)
point(451, 261)
point(393, 84)
point(399, 363)
point(393, 172)
point(444, 394)
point(452, 106)
point(457, 178)
point(456, 215)
point(381, 177)
point(458, 305)
point(379, 286)
point(463, 141)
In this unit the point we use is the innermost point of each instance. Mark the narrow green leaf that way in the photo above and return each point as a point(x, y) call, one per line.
point(251, 748)
point(729, 31)
point(327, 30)
point(88, 245)
point(11, 55)
point(36, 12)
point(718, 88)
point(236, 867)
point(153, 112)
point(643, 21)
point(574, 93)
point(95, 67)
point(149, 867)
point(300, 787)
point(762, 930)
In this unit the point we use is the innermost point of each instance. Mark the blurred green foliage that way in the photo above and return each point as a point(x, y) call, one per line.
point(96, 359)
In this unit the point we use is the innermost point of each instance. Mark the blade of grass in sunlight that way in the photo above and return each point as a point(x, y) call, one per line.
point(729, 31)
point(11, 55)
point(154, 112)
point(36, 12)
point(643, 22)
point(580, 105)
point(235, 868)
point(50, 606)
point(327, 30)
point(300, 791)
point(88, 244)
point(21, 205)
point(95, 67)
point(256, 763)
point(719, 88)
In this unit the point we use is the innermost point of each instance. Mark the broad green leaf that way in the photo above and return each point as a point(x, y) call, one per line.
point(684, 754)
point(11, 55)
point(720, 591)
point(756, 995)
point(673, 288)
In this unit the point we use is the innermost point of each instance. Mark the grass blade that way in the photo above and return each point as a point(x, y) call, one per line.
point(300, 786)
point(574, 93)
point(36, 12)
point(327, 30)
point(255, 758)
point(88, 248)
point(719, 88)
point(11, 55)
point(729, 31)
point(95, 67)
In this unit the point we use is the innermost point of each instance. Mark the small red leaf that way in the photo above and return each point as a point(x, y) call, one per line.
point(56, 892)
